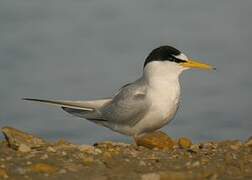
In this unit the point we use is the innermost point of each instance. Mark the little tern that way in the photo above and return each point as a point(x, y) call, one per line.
point(144, 105)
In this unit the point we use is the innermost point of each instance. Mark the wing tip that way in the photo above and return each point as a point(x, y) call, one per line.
point(33, 99)
point(26, 99)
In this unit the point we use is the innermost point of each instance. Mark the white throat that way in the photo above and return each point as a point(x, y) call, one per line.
point(162, 72)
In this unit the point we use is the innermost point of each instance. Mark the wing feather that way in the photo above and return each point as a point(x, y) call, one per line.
point(128, 106)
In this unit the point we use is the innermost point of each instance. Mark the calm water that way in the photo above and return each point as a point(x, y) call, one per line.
point(76, 49)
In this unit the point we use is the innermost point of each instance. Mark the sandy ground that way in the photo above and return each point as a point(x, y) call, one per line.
point(157, 157)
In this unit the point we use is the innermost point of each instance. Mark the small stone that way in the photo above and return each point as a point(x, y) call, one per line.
point(195, 164)
point(44, 157)
point(228, 157)
point(157, 140)
point(214, 177)
point(87, 161)
point(175, 175)
point(3, 173)
point(142, 163)
point(73, 167)
point(195, 148)
point(150, 176)
point(24, 148)
point(62, 171)
point(51, 149)
point(21, 170)
point(43, 168)
point(28, 162)
point(90, 149)
point(64, 153)
point(107, 155)
point(188, 164)
point(8, 158)
point(249, 158)
point(236, 146)
point(184, 143)
point(204, 161)
point(98, 151)
point(152, 157)
point(249, 142)
point(16, 138)
point(86, 148)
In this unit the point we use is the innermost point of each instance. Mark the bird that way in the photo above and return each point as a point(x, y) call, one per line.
point(143, 106)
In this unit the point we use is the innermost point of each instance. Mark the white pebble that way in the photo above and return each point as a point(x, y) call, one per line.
point(24, 148)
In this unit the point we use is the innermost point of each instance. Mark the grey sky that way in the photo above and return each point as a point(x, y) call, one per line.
point(76, 49)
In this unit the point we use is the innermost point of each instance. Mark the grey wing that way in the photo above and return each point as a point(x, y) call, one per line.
point(128, 106)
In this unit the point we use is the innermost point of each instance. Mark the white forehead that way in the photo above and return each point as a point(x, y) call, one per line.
point(181, 56)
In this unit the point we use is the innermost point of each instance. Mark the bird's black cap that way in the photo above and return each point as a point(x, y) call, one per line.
point(164, 53)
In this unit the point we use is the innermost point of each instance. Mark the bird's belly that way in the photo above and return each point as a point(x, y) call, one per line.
point(153, 120)
point(157, 117)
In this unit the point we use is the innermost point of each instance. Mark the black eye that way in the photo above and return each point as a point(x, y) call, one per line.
point(172, 59)
point(179, 60)
point(176, 60)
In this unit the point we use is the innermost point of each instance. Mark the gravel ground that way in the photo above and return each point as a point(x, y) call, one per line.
point(157, 157)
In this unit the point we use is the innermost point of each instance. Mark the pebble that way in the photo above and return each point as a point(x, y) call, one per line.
point(175, 175)
point(90, 149)
point(98, 151)
point(43, 168)
point(195, 164)
point(236, 146)
point(249, 158)
point(184, 143)
point(62, 171)
point(3, 173)
point(228, 157)
point(195, 148)
point(85, 148)
point(16, 138)
point(150, 176)
point(142, 163)
point(24, 148)
point(188, 164)
point(157, 140)
point(204, 161)
point(87, 161)
point(213, 177)
point(107, 155)
point(51, 149)
point(21, 170)
point(44, 157)
point(249, 142)
point(73, 167)
point(8, 158)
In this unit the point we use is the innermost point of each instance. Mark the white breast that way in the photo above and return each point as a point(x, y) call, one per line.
point(164, 105)
point(163, 93)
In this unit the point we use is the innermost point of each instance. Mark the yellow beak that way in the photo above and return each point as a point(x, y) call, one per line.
point(194, 64)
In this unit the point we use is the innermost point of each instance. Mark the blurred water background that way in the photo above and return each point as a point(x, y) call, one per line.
point(83, 49)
